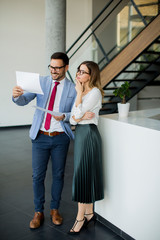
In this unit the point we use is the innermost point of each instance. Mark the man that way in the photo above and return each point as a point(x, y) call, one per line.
point(50, 134)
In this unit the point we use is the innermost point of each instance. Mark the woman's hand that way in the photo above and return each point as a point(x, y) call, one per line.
point(79, 87)
point(86, 116)
point(76, 120)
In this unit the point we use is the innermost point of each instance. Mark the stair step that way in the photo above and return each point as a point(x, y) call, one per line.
point(147, 4)
point(152, 52)
point(129, 80)
point(146, 62)
point(109, 95)
point(109, 102)
point(113, 88)
point(157, 41)
point(154, 83)
point(136, 71)
point(137, 18)
point(106, 102)
point(107, 109)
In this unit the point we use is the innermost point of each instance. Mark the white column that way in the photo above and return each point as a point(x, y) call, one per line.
point(55, 23)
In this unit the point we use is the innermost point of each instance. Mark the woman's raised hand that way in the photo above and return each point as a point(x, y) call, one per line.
point(79, 86)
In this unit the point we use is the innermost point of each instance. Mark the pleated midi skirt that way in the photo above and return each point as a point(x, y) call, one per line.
point(88, 175)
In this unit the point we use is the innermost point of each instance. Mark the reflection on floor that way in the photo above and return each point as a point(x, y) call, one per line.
point(16, 196)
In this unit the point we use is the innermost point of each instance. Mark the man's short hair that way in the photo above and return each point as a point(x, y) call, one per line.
point(61, 55)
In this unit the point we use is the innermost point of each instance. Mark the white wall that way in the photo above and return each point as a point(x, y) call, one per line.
point(79, 15)
point(22, 47)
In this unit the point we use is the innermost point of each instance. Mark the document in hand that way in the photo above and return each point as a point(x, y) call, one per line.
point(48, 111)
point(29, 82)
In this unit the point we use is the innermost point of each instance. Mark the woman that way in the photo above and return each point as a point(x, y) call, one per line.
point(87, 180)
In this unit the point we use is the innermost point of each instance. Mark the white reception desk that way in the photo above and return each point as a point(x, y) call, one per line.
point(131, 162)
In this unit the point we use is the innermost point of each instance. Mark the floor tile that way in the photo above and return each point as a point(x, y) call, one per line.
point(16, 195)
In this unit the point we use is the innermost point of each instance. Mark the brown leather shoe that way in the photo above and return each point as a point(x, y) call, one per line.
point(37, 220)
point(56, 217)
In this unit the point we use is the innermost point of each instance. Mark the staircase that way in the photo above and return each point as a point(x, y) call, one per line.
point(137, 61)
point(140, 67)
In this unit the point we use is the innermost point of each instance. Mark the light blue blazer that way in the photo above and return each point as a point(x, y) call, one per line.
point(66, 103)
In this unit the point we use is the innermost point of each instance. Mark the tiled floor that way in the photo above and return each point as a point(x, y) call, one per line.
point(16, 196)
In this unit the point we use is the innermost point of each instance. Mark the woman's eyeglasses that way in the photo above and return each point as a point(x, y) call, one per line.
point(81, 72)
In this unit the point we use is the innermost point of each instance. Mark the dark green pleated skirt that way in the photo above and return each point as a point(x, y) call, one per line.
point(88, 176)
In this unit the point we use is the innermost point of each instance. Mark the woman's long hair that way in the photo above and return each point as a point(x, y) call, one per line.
point(94, 72)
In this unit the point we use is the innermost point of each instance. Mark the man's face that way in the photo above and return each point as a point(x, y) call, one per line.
point(58, 69)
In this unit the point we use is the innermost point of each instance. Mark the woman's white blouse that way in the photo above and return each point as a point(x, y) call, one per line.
point(91, 102)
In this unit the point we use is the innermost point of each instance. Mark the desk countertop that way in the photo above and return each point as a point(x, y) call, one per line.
point(149, 118)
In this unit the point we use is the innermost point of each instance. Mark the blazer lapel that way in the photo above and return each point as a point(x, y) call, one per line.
point(47, 91)
point(64, 95)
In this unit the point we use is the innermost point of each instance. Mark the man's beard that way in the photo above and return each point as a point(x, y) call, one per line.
point(58, 76)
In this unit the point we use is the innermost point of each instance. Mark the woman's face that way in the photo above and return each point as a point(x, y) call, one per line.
point(83, 74)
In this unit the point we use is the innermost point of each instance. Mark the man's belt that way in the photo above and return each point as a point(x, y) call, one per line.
point(51, 134)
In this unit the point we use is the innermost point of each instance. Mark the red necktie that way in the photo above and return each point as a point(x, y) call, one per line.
point(50, 106)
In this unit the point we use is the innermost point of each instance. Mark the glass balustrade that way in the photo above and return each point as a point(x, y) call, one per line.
point(112, 31)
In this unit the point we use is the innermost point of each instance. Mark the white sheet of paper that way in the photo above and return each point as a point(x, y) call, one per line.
point(48, 111)
point(29, 82)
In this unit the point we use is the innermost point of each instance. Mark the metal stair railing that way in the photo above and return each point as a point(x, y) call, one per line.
point(93, 32)
point(146, 70)
point(90, 25)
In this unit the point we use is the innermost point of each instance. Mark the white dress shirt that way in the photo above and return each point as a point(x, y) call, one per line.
point(91, 102)
point(55, 125)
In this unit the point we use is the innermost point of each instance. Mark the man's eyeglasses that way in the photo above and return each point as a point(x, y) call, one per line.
point(55, 68)
point(81, 72)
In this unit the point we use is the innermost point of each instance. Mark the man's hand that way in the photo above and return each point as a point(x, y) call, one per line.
point(59, 118)
point(17, 91)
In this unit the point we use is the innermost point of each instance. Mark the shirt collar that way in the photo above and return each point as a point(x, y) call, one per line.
point(61, 82)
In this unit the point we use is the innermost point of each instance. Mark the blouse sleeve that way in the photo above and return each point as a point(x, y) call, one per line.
point(87, 104)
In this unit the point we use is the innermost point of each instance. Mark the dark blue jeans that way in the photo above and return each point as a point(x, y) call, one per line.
point(44, 147)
